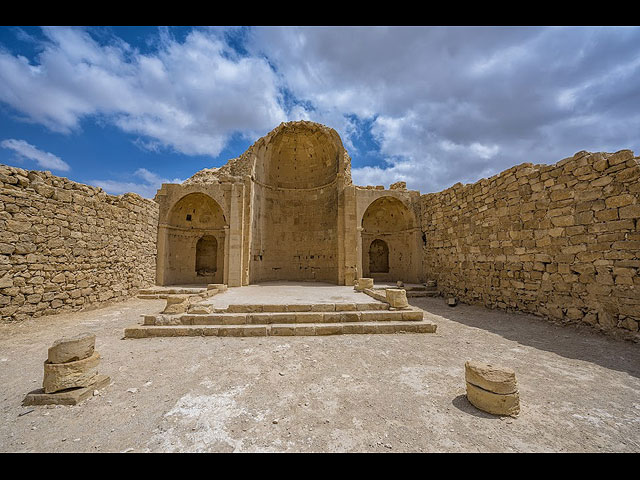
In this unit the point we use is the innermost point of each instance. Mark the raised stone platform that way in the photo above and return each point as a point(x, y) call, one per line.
point(286, 308)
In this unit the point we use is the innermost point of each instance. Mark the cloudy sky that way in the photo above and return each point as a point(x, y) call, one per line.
point(128, 108)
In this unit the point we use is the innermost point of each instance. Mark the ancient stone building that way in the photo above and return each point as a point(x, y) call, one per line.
point(287, 209)
point(560, 241)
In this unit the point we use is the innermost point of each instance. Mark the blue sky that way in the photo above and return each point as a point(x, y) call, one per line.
point(127, 108)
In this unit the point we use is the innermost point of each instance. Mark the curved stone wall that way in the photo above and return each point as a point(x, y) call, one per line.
point(295, 204)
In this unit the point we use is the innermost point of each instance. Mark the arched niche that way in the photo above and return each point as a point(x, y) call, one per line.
point(389, 241)
point(379, 256)
point(195, 238)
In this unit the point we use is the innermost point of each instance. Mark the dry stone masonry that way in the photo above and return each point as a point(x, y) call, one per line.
point(560, 241)
point(65, 246)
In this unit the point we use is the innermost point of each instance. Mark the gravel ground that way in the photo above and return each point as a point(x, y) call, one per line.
point(579, 389)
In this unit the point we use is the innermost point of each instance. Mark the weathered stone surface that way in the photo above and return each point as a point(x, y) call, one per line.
point(60, 376)
point(72, 349)
point(363, 283)
point(397, 297)
point(495, 379)
point(82, 246)
point(176, 304)
point(66, 397)
point(533, 248)
point(493, 403)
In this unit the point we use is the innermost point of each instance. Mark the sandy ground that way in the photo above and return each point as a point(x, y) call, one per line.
point(580, 390)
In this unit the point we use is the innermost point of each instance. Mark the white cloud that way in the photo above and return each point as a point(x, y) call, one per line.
point(459, 104)
point(453, 104)
point(147, 188)
point(44, 159)
point(190, 96)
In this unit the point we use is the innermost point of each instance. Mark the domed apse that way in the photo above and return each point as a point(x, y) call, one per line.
point(296, 206)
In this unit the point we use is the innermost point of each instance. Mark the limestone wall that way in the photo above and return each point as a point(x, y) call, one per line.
point(561, 241)
point(66, 246)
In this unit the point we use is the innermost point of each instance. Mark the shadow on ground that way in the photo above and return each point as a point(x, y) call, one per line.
point(571, 341)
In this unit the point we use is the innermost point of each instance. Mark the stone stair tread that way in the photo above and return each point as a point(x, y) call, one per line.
point(252, 318)
point(281, 329)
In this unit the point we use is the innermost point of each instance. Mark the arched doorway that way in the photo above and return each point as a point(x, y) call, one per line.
point(379, 256)
point(389, 249)
point(195, 238)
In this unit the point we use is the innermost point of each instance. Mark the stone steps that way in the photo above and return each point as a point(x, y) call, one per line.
point(290, 308)
point(270, 318)
point(292, 329)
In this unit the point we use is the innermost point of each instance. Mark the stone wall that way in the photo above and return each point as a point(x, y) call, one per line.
point(560, 241)
point(65, 246)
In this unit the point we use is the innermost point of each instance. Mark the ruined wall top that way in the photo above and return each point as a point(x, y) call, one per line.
point(287, 132)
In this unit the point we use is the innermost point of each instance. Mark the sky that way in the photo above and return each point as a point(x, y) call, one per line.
point(130, 108)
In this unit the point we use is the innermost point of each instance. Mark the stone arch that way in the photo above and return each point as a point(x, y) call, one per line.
point(195, 238)
point(295, 205)
point(389, 233)
point(387, 214)
point(379, 256)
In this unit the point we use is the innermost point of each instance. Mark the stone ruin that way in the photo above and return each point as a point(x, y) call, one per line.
point(70, 372)
point(560, 241)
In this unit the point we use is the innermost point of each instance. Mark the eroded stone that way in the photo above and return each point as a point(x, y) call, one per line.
point(72, 349)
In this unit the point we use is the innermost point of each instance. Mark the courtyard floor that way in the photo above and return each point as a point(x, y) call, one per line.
point(579, 389)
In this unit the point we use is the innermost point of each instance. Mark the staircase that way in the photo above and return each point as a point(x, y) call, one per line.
point(243, 320)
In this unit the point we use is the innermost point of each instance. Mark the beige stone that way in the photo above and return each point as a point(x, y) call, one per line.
point(60, 376)
point(72, 349)
point(397, 297)
point(287, 209)
point(496, 379)
point(362, 283)
point(176, 304)
point(66, 397)
point(494, 403)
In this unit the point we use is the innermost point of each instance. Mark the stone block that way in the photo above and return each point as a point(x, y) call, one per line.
point(72, 349)
point(176, 304)
point(397, 297)
point(66, 397)
point(60, 376)
point(494, 379)
point(494, 403)
point(363, 283)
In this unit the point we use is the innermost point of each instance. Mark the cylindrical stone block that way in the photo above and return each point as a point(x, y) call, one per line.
point(493, 403)
point(500, 380)
point(492, 389)
point(397, 297)
point(363, 283)
point(72, 349)
point(60, 376)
